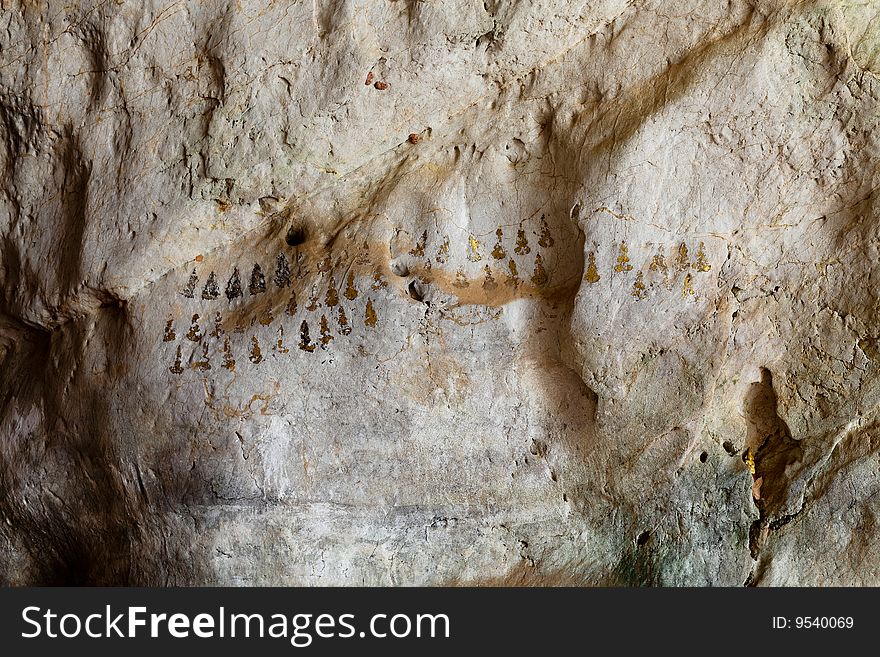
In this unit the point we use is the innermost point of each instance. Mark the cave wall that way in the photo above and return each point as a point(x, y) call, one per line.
point(394, 292)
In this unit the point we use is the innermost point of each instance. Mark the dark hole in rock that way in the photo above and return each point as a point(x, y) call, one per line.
point(295, 236)
point(415, 291)
point(704, 457)
point(399, 269)
point(643, 538)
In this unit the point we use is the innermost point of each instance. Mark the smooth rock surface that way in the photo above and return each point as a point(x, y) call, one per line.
point(400, 292)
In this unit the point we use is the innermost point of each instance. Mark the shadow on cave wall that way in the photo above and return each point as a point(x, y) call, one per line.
point(773, 456)
point(76, 511)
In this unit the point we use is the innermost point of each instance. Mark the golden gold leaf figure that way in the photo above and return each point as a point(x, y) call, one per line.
point(313, 303)
point(539, 277)
point(305, 342)
point(325, 331)
point(351, 292)
point(203, 365)
point(363, 257)
point(489, 281)
point(545, 239)
point(169, 335)
point(687, 289)
point(623, 259)
point(217, 331)
point(522, 243)
point(290, 311)
point(279, 345)
point(443, 252)
point(658, 263)
point(750, 462)
point(702, 264)
point(194, 333)
point(228, 360)
point(639, 291)
point(256, 355)
point(419, 249)
point(324, 264)
point(659, 266)
point(474, 249)
point(344, 326)
point(592, 273)
point(176, 368)
point(498, 252)
point(682, 262)
point(513, 279)
point(332, 297)
point(370, 314)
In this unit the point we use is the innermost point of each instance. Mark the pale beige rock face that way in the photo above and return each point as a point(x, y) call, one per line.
point(400, 292)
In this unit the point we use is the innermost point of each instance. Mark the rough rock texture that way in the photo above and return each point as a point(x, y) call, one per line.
point(410, 292)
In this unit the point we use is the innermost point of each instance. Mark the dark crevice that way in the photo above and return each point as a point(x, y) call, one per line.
point(296, 235)
point(770, 454)
point(416, 292)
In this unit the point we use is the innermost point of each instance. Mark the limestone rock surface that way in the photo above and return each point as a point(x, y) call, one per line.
point(397, 292)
